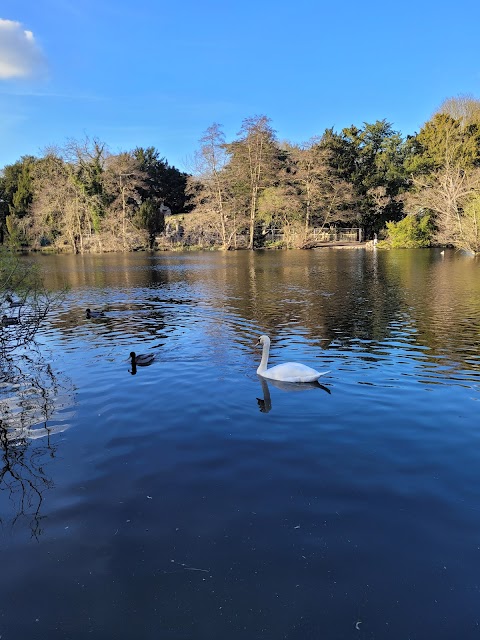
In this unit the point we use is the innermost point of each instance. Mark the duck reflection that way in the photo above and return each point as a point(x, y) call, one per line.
point(265, 403)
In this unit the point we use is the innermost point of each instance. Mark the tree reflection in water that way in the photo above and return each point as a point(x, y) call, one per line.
point(34, 402)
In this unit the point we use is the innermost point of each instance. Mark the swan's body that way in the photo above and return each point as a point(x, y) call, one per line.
point(95, 314)
point(287, 372)
point(141, 359)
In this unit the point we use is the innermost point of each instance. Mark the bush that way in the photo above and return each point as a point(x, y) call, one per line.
point(410, 233)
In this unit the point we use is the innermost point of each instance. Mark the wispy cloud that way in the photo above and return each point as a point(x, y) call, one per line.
point(20, 55)
point(31, 93)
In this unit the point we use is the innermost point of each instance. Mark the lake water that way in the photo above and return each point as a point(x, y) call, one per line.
point(191, 501)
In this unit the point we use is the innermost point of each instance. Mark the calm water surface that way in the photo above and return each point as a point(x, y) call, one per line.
point(191, 501)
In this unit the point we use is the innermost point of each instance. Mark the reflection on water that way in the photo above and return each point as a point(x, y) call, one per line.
point(173, 507)
point(336, 299)
point(341, 299)
point(24, 479)
point(35, 404)
point(265, 403)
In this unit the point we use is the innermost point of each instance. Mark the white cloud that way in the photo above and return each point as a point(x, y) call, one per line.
point(20, 56)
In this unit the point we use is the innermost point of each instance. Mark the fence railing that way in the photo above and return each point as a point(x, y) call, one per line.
point(271, 234)
point(319, 234)
point(333, 234)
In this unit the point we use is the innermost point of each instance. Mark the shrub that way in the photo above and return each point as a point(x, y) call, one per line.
point(410, 233)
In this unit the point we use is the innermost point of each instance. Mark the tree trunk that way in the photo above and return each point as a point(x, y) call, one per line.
point(253, 209)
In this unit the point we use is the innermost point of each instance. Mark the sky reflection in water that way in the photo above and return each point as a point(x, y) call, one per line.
point(196, 500)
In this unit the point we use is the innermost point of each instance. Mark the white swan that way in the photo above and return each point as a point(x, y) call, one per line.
point(287, 372)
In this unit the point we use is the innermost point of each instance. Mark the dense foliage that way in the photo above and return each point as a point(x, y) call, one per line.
point(82, 198)
point(411, 232)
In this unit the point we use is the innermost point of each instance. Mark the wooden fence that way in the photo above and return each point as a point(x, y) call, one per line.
point(316, 236)
point(320, 234)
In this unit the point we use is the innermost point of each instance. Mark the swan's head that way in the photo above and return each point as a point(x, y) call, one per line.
point(263, 340)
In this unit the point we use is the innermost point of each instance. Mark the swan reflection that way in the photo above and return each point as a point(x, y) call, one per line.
point(265, 403)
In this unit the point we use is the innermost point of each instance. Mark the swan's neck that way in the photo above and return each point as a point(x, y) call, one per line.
point(263, 364)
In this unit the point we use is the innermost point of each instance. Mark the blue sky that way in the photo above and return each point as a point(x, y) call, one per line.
point(156, 73)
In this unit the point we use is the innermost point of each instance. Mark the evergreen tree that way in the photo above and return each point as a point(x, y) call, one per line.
point(372, 159)
point(150, 216)
point(444, 141)
point(164, 184)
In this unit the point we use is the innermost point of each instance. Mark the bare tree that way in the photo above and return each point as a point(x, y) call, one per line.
point(24, 304)
point(451, 193)
point(122, 181)
point(465, 108)
point(381, 200)
point(281, 207)
point(325, 197)
point(308, 169)
point(209, 189)
point(471, 224)
point(211, 161)
point(69, 199)
point(58, 206)
point(253, 164)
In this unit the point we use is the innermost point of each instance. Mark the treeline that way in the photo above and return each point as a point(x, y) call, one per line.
point(416, 191)
point(82, 198)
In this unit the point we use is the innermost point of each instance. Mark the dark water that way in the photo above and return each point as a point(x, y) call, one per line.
point(190, 501)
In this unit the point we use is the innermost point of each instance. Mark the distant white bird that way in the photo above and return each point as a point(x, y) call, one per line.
point(94, 314)
point(442, 252)
point(141, 359)
point(287, 372)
